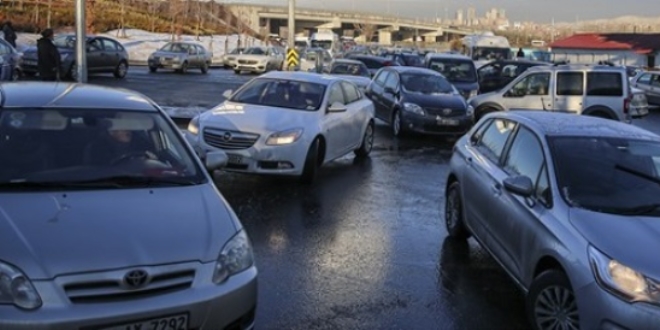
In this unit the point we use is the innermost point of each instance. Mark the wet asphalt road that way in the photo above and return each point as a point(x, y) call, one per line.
point(363, 248)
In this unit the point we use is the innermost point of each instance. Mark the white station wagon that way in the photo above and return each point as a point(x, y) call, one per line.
point(287, 123)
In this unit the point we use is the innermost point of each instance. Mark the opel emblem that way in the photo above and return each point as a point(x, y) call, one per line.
point(136, 279)
point(446, 111)
point(227, 136)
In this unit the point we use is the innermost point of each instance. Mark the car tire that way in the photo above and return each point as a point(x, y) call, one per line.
point(237, 71)
point(121, 70)
point(482, 111)
point(311, 168)
point(15, 75)
point(205, 68)
point(551, 298)
point(367, 142)
point(454, 216)
point(184, 68)
point(397, 127)
point(153, 69)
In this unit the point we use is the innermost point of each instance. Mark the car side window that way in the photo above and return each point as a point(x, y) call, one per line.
point(655, 81)
point(381, 77)
point(542, 191)
point(533, 84)
point(525, 157)
point(645, 79)
point(336, 94)
point(570, 83)
point(4, 50)
point(479, 132)
point(494, 138)
point(95, 45)
point(352, 94)
point(109, 45)
point(392, 81)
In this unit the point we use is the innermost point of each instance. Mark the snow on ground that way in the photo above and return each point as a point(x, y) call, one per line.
point(140, 44)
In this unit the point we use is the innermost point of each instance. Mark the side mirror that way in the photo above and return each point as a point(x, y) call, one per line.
point(216, 160)
point(519, 185)
point(511, 93)
point(228, 93)
point(337, 107)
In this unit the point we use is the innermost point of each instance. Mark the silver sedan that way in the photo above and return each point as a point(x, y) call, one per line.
point(569, 206)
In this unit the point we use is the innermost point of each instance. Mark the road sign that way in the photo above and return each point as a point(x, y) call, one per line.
point(292, 58)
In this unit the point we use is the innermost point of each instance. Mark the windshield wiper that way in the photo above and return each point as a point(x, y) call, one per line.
point(133, 180)
point(637, 173)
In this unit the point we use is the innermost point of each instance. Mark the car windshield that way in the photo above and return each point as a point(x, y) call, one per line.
point(255, 51)
point(325, 44)
point(353, 69)
point(236, 51)
point(491, 53)
point(281, 93)
point(65, 42)
point(175, 47)
point(611, 175)
point(455, 70)
point(81, 148)
point(426, 84)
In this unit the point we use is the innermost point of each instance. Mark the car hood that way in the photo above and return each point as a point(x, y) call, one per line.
point(49, 234)
point(170, 54)
point(453, 101)
point(627, 239)
point(255, 118)
point(358, 80)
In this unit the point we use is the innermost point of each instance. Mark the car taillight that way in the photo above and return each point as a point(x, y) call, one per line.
point(387, 63)
point(626, 104)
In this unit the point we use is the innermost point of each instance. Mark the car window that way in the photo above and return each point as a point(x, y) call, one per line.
point(109, 45)
point(392, 81)
point(605, 83)
point(570, 83)
point(371, 64)
point(655, 81)
point(381, 77)
point(336, 94)
point(455, 70)
point(281, 93)
point(525, 157)
point(645, 79)
point(4, 49)
point(352, 93)
point(95, 45)
point(494, 139)
point(542, 191)
point(532, 84)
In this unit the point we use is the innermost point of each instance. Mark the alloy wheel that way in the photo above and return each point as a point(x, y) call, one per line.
point(556, 309)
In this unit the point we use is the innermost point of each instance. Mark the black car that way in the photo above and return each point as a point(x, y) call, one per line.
point(497, 74)
point(373, 63)
point(406, 59)
point(458, 69)
point(419, 100)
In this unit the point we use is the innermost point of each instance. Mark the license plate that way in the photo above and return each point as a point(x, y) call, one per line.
point(245, 68)
point(448, 122)
point(235, 159)
point(178, 322)
point(30, 62)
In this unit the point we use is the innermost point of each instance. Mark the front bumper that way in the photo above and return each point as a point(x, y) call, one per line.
point(165, 64)
point(260, 158)
point(434, 125)
point(208, 306)
point(601, 310)
point(258, 68)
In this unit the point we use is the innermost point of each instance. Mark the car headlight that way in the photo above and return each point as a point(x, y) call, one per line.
point(622, 280)
point(236, 256)
point(284, 137)
point(193, 125)
point(414, 108)
point(470, 111)
point(16, 289)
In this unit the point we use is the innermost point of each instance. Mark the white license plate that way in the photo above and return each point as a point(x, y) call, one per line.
point(30, 62)
point(178, 322)
point(448, 122)
point(245, 68)
point(235, 159)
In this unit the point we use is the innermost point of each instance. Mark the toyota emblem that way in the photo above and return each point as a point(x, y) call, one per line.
point(136, 279)
point(446, 111)
point(227, 136)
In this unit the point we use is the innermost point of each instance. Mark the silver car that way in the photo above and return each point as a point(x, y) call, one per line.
point(109, 221)
point(569, 206)
point(649, 83)
point(9, 62)
point(180, 56)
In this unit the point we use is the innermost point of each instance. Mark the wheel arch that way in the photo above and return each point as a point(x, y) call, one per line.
point(322, 148)
point(599, 109)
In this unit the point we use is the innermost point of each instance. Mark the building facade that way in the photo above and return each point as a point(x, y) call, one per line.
point(629, 49)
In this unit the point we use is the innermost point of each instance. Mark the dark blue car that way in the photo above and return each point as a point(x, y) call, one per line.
point(9, 58)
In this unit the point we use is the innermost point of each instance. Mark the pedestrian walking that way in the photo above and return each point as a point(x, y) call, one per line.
point(48, 57)
point(521, 53)
point(10, 34)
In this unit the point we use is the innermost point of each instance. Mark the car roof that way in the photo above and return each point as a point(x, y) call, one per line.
point(554, 124)
point(577, 67)
point(301, 76)
point(412, 69)
point(348, 61)
point(71, 95)
point(448, 56)
point(524, 61)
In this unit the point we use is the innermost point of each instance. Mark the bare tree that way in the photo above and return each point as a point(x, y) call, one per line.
point(175, 24)
point(153, 7)
point(121, 33)
point(49, 14)
point(200, 18)
point(90, 17)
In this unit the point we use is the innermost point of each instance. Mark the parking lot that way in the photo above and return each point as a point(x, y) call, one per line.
point(365, 247)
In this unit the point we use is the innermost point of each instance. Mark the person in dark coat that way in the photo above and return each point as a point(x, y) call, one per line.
point(10, 34)
point(521, 53)
point(49, 57)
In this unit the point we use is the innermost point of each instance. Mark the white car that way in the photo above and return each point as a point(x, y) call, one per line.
point(287, 123)
point(259, 60)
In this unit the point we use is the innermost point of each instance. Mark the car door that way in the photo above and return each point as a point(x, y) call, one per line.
point(356, 113)
point(390, 95)
point(654, 92)
point(482, 188)
point(375, 92)
point(489, 77)
point(643, 82)
point(569, 92)
point(532, 92)
point(96, 59)
point(335, 126)
point(517, 228)
point(111, 53)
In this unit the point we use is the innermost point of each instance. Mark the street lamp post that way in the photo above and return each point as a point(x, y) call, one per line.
point(292, 24)
point(81, 42)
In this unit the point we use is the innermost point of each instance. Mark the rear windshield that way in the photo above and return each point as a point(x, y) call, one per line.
point(455, 70)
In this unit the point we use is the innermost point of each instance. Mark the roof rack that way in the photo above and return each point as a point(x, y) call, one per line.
point(607, 63)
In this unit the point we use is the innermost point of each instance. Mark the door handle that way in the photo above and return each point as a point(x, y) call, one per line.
point(496, 188)
point(469, 160)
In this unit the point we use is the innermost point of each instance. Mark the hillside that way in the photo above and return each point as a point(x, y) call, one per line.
point(171, 16)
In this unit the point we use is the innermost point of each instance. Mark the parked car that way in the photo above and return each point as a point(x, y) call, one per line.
point(229, 60)
point(495, 75)
point(309, 57)
point(104, 55)
point(10, 60)
point(351, 70)
point(405, 59)
point(594, 90)
point(458, 69)
point(287, 123)
point(649, 83)
point(419, 100)
point(568, 205)
point(259, 60)
point(373, 63)
point(180, 56)
point(95, 186)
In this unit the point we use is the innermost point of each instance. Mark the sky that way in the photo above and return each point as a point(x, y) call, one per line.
point(541, 11)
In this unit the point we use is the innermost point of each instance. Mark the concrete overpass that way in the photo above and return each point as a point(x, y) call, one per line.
point(387, 29)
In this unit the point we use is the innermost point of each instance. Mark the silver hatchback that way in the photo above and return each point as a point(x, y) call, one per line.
point(569, 206)
point(109, 221)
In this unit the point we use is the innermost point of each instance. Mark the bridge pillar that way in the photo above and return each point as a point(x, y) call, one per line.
point(384, 37)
